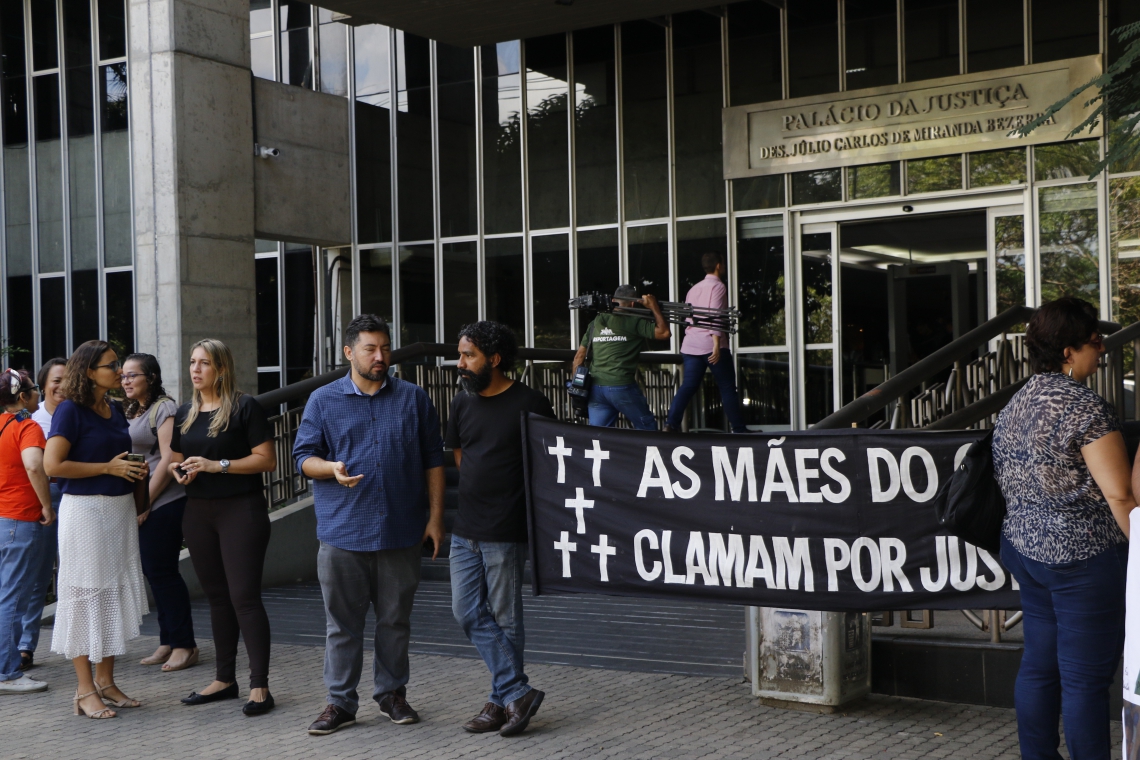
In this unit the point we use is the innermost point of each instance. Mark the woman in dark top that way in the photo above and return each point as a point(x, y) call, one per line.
point(222, 443)
point(1063, 468)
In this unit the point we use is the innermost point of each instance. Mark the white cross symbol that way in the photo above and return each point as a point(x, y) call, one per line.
point(565, 546)
point(560, 451)
point(578, 503)
point(604, 551)
point(597, 455)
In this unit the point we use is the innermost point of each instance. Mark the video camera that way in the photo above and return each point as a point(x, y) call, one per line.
point(723, 320)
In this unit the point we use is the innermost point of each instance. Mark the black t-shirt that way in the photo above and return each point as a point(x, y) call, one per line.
point(249, 426)
point(492, 504)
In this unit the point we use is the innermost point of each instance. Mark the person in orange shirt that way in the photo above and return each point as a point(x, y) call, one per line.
point(25, 509)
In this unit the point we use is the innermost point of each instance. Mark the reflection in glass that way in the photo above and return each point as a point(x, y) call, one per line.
point(873, 180)
point(121, 312)
point(268, 316)
point(754, 53)
point(112, 29)
point(1120, 13)
point(16, 189)
point(928, 175)
point(815, 254)
point(49, 172)
point(649, 267)
point(339, 309)
point(506, 283)
point(1068, 242)
point(417, 294)
point(1124, 248)
point(502, 156)
point(765, 391)
point(81, 155)
point(455, 73)
point(813, 47)
point(373, 132)
point(1065, 160)
point(817, 187)
point(931, 39)
point(872, 50)
point(595, 125)
point(997, 167)
point(548, 131)
point(45, 46)
point(819, 385)
point(376, 283)
point(760, 270)
point(995, 34)
point(694, 240)
point(334, 59)
point(413, 137)
point(300, 311)
point(645, 120)
point(758, 192)
point(53, 317)
point(461, 288)
point(599, 267)
point(84, 305)
point(261, 57)
point(1009, 254)
point(550, 287)
point(297, 57)
point(1064, 29)
point(260, 16)
point(697, 100)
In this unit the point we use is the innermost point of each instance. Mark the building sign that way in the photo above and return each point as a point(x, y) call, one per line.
point(931, 118)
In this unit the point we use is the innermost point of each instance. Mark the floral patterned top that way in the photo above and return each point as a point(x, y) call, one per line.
point(1056, 511)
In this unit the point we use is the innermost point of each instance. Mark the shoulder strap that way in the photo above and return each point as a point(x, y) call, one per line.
point(152, 417)
point(590, 341)
point(6, 424)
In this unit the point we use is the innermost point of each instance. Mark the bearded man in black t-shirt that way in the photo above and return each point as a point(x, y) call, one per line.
point(488, 543)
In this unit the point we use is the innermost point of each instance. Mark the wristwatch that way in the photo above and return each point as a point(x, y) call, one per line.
point(225, 463)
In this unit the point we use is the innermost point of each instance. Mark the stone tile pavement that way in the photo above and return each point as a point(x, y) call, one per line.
point(588, 713)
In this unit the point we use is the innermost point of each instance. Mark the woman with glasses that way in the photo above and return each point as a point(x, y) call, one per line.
point(150, 413)
point(50, 382)
point(25, 510)
point(101, 598)
point(1063, 468)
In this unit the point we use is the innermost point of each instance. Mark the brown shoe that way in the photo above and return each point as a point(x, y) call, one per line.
point(491, 719)
point(520, 712)
point(332, 719)
point(397, 709)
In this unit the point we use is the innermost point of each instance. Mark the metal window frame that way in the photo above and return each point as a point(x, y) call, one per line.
point(33, 188)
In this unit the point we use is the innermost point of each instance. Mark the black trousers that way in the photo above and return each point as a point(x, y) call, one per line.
point(160, 543)
point(227, 539)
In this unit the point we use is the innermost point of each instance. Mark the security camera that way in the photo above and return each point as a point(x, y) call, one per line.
point(908, 209)
point(264, 151)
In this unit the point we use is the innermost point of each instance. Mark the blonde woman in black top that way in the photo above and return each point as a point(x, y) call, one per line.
point(222, 443)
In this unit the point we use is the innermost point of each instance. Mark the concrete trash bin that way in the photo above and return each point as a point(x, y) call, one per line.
point(808, 660)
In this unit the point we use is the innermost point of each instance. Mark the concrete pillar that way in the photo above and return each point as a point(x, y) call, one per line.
point(192, 164)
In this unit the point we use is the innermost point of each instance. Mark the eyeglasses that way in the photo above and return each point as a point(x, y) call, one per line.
point(1097, 341)
point(132, 375)
point(113, 366)
point(36, 388)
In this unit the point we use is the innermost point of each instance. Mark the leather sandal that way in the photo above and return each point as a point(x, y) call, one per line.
point(127, 702)
point(106, 712)
point(190, 662)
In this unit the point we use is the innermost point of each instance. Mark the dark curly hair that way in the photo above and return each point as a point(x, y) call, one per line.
point(1065, 323)
point(153, 372)
point(77, 387)
point(493, 338)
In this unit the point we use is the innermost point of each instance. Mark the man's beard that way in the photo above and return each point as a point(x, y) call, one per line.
point(376, 376)
point(475, 383)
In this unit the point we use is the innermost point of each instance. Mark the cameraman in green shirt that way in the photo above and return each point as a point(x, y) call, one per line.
point(617, 340)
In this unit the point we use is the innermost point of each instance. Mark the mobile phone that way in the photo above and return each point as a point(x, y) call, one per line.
point(136, 458)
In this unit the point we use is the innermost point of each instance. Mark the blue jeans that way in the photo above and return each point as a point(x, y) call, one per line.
point(1074, 636)
point(160, 543)
point(486, 598)
point(19, 558)
point(725, 375)
point(606, 401)
point(41, 576)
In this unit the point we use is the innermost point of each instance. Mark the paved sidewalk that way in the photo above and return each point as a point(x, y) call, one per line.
point(588, 713)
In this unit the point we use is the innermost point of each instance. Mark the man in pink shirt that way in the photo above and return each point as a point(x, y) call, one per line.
point(707, 348)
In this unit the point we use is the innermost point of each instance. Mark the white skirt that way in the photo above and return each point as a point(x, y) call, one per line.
point(101, 598)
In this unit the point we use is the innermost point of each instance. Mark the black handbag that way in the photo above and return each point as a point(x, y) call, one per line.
point(578, 387)
point(971, 505)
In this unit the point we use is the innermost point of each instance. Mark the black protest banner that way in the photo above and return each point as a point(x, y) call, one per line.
point(823, 520)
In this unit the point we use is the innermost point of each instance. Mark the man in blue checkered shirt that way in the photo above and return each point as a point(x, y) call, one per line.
point(372, 445)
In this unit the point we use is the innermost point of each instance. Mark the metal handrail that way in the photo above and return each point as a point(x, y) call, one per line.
point(921, 371)
point(305, 387)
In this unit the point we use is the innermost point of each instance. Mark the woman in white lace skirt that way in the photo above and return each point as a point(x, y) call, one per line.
point(100, 594)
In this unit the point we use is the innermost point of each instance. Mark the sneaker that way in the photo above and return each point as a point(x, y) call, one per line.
point(22, 685)
point(397, 708)
point(332, 719)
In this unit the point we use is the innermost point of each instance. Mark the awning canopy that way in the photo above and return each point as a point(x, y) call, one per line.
point(480, 22)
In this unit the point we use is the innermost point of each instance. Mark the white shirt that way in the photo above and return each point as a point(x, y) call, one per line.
point(43, 416)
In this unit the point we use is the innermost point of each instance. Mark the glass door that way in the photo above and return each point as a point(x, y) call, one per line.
point(816, 263)
point(1008, 284)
